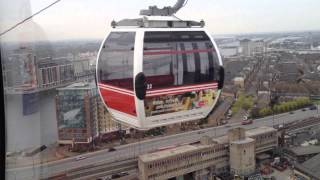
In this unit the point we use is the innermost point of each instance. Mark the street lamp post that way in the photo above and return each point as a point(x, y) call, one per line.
point(273, 101)
point(33, 168)
point(271, 106)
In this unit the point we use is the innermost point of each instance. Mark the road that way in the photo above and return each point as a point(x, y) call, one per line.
point(103, 170)
point(133, 150)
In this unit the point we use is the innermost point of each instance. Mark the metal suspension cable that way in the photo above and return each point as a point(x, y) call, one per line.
point(28, 18)
point(177, 17)
point(185, 3)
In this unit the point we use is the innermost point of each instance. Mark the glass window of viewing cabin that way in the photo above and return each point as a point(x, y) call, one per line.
point(179, 58)
point(116, 60)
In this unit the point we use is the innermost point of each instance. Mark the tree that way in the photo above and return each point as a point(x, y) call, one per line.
point(243, 102)
point(265, 111)
point(255, 112)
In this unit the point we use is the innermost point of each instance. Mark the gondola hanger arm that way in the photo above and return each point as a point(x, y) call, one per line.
point(165, 11)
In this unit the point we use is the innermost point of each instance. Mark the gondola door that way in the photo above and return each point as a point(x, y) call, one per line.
point(140, 83)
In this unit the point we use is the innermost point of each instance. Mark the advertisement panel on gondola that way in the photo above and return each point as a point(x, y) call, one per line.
point(179, 102)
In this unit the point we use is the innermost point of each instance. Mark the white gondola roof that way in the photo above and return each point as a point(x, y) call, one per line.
point(157, 21)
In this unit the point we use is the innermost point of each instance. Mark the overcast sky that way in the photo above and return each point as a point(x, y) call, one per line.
point(82, 19)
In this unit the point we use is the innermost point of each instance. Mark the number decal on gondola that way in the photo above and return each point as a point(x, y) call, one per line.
point(149, 86)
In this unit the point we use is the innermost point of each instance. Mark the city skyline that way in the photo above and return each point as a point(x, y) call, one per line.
point(87, 20)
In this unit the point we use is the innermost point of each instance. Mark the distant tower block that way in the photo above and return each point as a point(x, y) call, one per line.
point(242, 152)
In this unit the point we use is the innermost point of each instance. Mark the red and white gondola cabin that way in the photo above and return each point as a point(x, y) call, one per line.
point(164, 72)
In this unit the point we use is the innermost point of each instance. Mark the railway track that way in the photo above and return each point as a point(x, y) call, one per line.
point(302, 123)
point(94, 171)
point(103, 169)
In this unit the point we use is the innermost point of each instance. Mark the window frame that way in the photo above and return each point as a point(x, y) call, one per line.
point(132, 64)
point(2, 123)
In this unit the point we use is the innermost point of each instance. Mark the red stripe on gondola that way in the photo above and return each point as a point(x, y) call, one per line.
point(179, 52)
point(117, 91)
point(179, 91)
point(183, 87)
point(163, 48)
point(116, 88)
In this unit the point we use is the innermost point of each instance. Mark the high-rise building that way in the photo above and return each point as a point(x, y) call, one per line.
point(105, 122)
point(76, 107)
point(252, 47)
point(245, 47)
point(55, 72)
point(20, 70)
point(82, 68)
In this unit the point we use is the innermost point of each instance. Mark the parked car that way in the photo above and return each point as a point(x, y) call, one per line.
point(223, 122)
point(313, 107)
point(115, 176)
point(119, 175)
point(78, 158)
point(246, 122)
point(123, 173)
point(111, 149)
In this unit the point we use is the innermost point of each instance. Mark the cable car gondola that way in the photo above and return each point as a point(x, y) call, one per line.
point(159, 70)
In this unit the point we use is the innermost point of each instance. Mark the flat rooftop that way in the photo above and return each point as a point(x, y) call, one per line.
point(80, 85)
point(168, 153)
point(260, 130)
point(243, 141)
point(312, 165)
point(221, 139)
point(301, 150)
